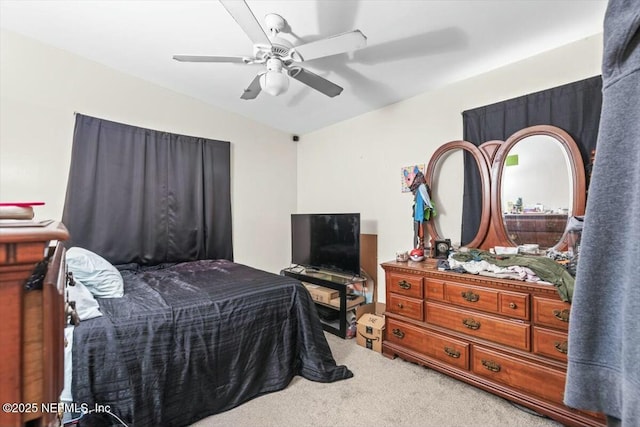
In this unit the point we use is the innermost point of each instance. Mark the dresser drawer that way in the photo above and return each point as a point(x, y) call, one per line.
point(550, 312)
point(448, 350)
point(514, 305)
point(22, 253)
point(471, 296)
point(547, 383)
point(550, 343)
point(405, 306)
point(508, 332)
point(405, 284)
point(434, 289)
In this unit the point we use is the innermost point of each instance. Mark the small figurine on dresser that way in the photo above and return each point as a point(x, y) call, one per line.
point(423, 210)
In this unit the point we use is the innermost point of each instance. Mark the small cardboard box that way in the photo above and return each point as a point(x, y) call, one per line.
point(352, 301)
point(372, 307)
point(320, 293)
point(370, 328)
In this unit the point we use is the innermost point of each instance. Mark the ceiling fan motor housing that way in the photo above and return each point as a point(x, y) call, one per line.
point(276, 23)
point(279, 48)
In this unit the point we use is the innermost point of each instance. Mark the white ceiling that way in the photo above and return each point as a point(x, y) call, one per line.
point(412, 46)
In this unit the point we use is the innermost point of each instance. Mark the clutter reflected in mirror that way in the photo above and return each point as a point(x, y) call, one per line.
point(444, 178)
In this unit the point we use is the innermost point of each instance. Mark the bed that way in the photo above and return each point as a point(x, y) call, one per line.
point(192, 339)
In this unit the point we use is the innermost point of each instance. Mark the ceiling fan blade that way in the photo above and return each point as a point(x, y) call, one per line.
point(199, 58)
point(334, 45)
point(314, 81)
point(253, 89)
point(240, 11)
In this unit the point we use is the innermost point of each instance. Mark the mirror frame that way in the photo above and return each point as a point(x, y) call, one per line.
point(500, 236)
point(481, 159)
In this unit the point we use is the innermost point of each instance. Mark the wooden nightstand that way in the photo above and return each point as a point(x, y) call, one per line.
point(33, 319)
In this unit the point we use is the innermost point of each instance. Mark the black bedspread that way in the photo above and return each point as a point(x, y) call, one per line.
point(194, 339)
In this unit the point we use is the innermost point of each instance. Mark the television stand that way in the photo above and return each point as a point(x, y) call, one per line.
point(332, 311)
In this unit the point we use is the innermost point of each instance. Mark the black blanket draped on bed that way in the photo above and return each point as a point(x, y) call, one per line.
point(197, 338)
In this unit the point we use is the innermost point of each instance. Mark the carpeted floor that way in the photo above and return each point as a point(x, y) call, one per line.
point(382, 392)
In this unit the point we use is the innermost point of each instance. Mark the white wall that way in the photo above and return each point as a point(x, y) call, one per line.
point(351, 166)
point(40, 89)
point(355, 165)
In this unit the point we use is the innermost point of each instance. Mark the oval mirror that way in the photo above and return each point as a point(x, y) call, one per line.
point(538, 184)
point(445, 178)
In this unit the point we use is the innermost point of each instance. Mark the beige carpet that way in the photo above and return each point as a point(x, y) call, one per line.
point(382, 392)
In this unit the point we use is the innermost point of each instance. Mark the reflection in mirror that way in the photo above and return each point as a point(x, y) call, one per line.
point(446, 191)
point(537, 191)
point(445, 177)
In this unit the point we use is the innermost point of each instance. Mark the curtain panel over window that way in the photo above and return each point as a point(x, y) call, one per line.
point(147, 196)
point(574, 107)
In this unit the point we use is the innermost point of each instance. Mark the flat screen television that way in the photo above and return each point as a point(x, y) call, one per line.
point(326, 242)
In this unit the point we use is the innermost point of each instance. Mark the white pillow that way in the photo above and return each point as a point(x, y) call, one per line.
point(101, 278)
point(86, 305)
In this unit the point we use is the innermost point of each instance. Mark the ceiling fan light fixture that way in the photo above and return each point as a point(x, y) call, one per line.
point(274, 81)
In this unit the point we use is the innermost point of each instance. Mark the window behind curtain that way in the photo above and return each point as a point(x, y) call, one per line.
point(146, 196)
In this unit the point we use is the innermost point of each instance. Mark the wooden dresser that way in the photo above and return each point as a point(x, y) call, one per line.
point(545, 229)
point(33, 320)
point(503, 336)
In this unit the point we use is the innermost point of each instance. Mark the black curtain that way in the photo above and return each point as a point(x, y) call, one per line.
point(574, 107)
point(146, 196)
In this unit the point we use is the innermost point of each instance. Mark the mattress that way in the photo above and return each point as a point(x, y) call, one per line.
point(193, 339)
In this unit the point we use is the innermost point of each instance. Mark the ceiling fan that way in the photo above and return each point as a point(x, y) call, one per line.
point(279, 55)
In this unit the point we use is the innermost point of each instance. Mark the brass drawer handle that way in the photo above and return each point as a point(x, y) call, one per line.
point(71, 315)
point(70, 280)
point(562, 347)
point(470, 296)
point(491, 365)
point(400, 305)
point(471, 324)
point(451, 352)
point(404, 285)
point(398, 333)
point(562, 315)
point(513, 305)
